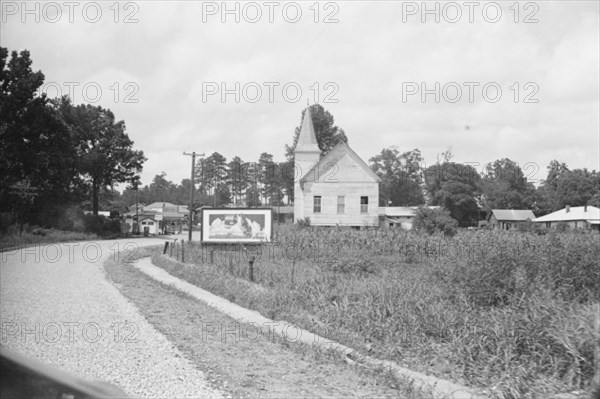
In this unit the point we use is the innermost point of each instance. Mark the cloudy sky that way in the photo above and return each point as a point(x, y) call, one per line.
point(488, 79)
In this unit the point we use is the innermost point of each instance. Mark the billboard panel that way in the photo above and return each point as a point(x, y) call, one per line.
point(237, 225)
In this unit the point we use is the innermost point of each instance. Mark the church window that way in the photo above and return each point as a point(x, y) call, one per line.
point(364, 204)
point(317, 204)
point(341, 204)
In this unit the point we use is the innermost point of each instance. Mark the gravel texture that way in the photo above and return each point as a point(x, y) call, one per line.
point(57, 307)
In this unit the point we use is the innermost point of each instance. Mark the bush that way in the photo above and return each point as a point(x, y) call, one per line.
point(432, 221)
point(530, 227)
point(356, 263)
point(562, 227)
point(102, 226)
point(6, 220)
point(302, 223)
point(61, 217)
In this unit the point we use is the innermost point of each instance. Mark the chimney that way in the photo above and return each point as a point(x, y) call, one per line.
point(567, 208)
point(585, 208)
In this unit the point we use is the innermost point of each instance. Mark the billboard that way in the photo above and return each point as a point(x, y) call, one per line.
point(237, 225)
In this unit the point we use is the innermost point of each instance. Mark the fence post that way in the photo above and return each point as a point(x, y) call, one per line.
point(251, 268)
point(171, 252)
point(182, 251)
point(211, 254)
point(166, 247)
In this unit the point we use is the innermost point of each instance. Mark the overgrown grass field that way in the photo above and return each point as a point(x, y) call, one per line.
point(512, 312)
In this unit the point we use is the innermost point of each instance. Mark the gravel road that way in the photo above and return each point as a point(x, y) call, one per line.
point(57, 307)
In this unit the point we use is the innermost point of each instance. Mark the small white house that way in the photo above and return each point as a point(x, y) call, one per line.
point(574, 217)
point(148, 225)
point(337, 189)
point(506, 219)
point(399, 216)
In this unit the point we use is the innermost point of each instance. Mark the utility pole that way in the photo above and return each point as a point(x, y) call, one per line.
point(193, 155)
point(137, 216)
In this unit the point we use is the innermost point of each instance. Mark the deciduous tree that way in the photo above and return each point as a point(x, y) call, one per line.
point(104, 151)
point(506, 187)
point(455, 187)
point(35, 146)
point(401, 177)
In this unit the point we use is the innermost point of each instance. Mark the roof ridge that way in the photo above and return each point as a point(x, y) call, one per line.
point(326, 159)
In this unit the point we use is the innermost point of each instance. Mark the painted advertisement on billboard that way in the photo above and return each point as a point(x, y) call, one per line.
point(237, 225)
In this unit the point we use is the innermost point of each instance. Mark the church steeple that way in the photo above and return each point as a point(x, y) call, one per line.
point(306, 156)
point(307, 140)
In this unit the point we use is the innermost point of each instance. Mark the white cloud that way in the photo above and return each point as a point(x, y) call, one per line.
point(369, 54)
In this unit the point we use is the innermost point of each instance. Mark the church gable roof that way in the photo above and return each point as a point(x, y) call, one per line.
point(344, 158)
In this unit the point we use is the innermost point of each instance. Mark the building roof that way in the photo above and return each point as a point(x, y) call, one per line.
point(397, 211)
point(589, 213)
point(307, 139)
point(132, 206)
point(512, 215)
point(403, 211)
point(332, 158)
point(165, 207)
point(141, 213)
point(160, 205)
point(173, 215)
point(152, 214)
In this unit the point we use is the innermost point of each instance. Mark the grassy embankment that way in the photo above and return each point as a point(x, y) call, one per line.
point(513, 312)
point(36, 235)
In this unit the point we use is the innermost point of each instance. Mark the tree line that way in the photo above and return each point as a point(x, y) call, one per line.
point(56, 155)
point(406, 181)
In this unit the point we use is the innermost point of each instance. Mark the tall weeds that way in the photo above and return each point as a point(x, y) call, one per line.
point(515, 312)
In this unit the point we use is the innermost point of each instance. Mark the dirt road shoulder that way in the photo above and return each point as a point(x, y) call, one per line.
point(237, 358)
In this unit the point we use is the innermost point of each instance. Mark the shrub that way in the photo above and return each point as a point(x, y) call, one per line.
point(61, 217)
point(357, 263)
point(102, 226)
point(530, 227)
point(6, 220)
point(562, 227)
point(432, 221)
point(303, 223)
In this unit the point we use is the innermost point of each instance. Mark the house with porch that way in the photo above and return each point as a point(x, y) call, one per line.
point(576, 217)
point(506, 219)
point(337, 189)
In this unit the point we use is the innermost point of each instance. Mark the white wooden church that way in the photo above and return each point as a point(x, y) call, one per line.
point(337, 189)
